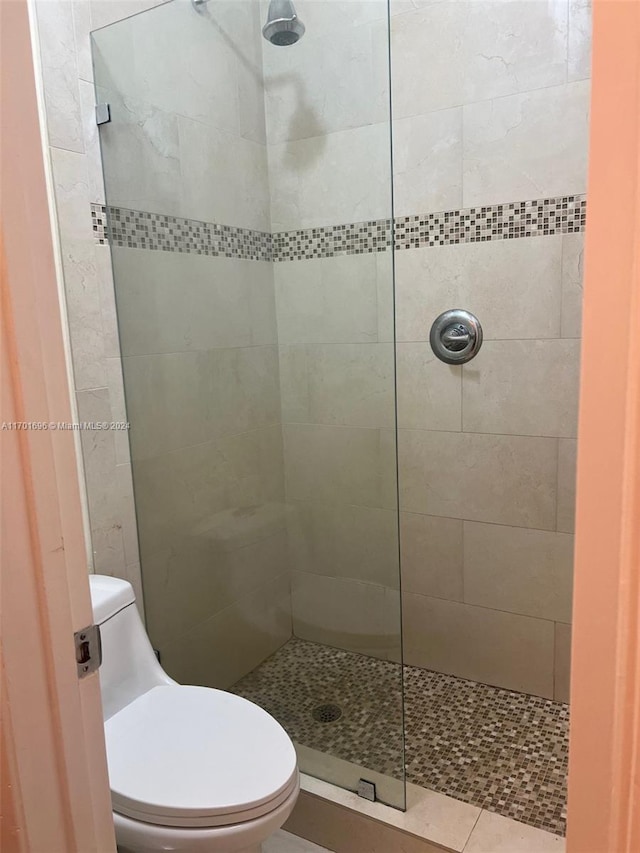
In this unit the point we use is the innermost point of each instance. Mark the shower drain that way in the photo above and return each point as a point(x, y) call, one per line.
point(327, 713)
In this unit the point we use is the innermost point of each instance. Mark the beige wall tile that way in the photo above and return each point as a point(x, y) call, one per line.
point(141, 156)
point(99, 455)
point(528, 145)
point(297, 81)
point(330, 300)
point(251, 103)
point(579, 65)
point(567, 448)
point(71, 189)
point(128, 513)
point(201, 573)
point(429, 391)
point(90, 134)
point(483, 645)
point(475, 52)
point(236, 190)
point(511, 285)
point(84, 310)
point(60, 74)
point(181, 493)
point(518, 570)
point(244, 634)
point(496, 478)
point(344, 541)
point(347, 384)
point(561, 691)
point(346, 614)
point(386, 296)
point(184, 398)
point(338, 464)
point(427, 163)
point(105, 12)
point(496, 834)
point(523, 388)
point(572, 284)
point(431, 555)
point(110, 332)
point(172, 302)
point(81, 29)
point(113, 370)
point(112, 519)
point(327, 179)
point(262, 300)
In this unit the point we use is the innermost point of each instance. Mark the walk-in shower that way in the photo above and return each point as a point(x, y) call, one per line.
point(352, 515)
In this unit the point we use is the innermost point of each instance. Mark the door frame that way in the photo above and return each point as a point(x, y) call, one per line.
point(604, 751)
point(55, 788)
point(55, 791)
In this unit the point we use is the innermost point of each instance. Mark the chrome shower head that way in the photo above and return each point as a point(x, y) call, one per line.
point(283, 26)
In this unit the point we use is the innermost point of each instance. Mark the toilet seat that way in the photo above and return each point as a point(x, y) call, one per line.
point(197, 757)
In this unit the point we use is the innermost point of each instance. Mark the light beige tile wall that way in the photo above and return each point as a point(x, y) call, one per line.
point(487, 451)
point(327, 110)
point(338, 409)
point(71, 134)
point(187, 135)
point(471, 126)
point(208, 469)
point(198, 338)
point(490, 105)
point(200, 361)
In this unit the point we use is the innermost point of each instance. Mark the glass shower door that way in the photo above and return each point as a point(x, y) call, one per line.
point(249, 215)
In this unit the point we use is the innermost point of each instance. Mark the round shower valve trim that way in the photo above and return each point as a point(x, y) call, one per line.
point(456, 336)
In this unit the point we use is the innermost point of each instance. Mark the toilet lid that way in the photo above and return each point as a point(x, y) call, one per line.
point(194, 756)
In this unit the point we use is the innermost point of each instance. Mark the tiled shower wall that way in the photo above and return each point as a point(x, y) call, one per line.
point(328, 133)
point(197, 333)
point(72, 136)
point(490, 106)
point(198, 336)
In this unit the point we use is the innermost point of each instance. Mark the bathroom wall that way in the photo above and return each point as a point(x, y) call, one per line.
point(208, 471)
point(66, 76)
point(185, 157)
point(487, 451)
point(490, 105)
point(328, 132)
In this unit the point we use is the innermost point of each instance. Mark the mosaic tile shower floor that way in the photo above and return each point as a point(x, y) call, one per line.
point(503, 751)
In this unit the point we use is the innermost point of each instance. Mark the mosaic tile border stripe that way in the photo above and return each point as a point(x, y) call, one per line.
point(535, 218)
point(138, 229)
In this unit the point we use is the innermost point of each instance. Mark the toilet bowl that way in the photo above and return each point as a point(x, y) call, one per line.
point(191, 769)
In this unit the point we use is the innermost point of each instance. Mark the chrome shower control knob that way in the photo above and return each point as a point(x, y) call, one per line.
point(456, 336)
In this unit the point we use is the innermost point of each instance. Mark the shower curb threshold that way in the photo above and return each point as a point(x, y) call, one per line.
point(435, 821)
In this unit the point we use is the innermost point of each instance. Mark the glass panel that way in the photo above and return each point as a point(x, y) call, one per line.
point(249, 208)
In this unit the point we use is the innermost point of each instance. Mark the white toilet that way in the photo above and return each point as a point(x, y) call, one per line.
point(191, 769)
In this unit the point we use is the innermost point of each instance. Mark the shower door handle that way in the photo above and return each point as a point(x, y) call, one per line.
point(456, 336)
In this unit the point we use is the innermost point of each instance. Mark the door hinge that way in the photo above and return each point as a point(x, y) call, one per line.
point(103, 113)
point(88, 650)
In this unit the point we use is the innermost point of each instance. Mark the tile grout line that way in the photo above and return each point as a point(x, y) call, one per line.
point(477, 820)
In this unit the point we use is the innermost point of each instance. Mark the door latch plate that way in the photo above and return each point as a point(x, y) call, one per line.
point(88, 650)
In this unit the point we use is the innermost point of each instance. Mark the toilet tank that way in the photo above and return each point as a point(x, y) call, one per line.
point(129, 666)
